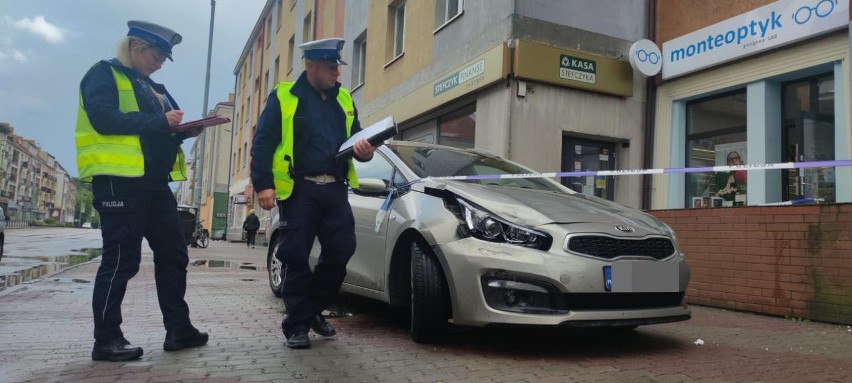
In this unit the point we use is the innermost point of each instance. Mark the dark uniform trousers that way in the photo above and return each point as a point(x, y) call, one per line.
point(130, 210)
point(320, 211)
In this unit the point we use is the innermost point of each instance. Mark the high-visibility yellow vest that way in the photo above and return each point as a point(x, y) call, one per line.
point(112, 154)
point(282, 160)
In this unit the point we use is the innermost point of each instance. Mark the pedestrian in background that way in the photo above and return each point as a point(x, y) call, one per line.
point(251, 225)
point(293, 161)
point(125, 149)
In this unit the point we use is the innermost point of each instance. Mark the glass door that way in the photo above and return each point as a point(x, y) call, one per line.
point(809, 136)
point(587, 155)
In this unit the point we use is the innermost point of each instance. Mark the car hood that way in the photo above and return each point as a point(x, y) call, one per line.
point(533, 208)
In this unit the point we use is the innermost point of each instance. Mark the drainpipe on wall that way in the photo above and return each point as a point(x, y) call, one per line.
point(234, 123)
point(650, 107)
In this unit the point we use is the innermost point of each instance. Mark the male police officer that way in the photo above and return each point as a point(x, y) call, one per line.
point(125, 148)
point(293, 160)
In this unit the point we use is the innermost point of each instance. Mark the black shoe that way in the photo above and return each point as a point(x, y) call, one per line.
point(115, 351)
point(175, 343)
point(299, 340)
point(321, 327)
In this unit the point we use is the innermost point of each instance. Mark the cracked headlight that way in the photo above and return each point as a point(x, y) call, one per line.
point(488, 227)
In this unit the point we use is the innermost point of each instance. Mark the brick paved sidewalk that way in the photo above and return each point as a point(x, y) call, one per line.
point(45, 336)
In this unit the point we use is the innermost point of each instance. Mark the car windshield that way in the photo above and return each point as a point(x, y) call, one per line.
point(435, 161)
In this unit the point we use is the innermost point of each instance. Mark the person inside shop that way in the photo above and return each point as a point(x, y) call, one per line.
point(293, 162)
point(734, 182)
point(126, 150)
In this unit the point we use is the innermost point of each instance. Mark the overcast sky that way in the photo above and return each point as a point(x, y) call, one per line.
point(46, 46)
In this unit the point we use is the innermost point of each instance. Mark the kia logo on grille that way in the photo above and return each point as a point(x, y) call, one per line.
point(624, 228)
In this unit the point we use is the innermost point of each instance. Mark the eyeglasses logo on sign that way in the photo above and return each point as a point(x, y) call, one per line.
point(645, 57)
point(822, 9)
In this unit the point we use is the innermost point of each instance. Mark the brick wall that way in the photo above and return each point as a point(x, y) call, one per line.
point(784, 260)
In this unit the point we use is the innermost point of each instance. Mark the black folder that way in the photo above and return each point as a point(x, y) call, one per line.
point(375, 134)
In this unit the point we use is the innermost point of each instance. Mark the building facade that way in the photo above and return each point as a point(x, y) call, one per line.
point(542, 83)
point(213, 189)
point(5, 170)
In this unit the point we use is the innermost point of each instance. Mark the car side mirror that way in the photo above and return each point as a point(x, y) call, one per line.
point(371, 187)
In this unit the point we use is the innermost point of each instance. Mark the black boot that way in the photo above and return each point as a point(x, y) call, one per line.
point(175, 342)
point(321, 327)
point(299, 340)
point(115, 351)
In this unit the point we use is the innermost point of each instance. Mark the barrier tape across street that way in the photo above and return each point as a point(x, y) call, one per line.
point(704, 169)
point(783, 165)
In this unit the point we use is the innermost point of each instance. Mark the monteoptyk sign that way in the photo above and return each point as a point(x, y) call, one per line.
point(771, 26)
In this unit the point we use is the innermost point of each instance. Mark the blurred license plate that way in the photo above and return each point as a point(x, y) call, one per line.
point(642, 277)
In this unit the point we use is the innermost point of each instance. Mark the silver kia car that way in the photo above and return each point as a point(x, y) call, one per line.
point(497, 249)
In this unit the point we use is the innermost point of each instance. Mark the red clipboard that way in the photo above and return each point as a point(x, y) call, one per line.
point(202, 123)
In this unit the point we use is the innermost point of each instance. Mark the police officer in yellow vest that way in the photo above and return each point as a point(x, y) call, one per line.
point(299, 132)
point(124, 147)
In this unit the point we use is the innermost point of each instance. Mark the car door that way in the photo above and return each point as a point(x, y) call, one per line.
point(367, 267)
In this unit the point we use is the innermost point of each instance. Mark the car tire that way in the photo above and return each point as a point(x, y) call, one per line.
point(274, 267)
point(430, 298)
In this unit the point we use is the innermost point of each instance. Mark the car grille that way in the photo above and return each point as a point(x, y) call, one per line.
point(621, 301)
point(610, 247)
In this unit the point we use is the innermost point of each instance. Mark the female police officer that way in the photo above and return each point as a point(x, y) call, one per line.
point(124, 147)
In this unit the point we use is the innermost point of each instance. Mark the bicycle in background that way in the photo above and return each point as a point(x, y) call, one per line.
point(201, 236)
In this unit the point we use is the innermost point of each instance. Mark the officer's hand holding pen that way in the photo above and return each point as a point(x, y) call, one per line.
point(266, 198)
point(174, 117)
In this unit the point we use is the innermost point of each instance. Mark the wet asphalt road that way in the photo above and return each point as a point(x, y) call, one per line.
point(35, 252)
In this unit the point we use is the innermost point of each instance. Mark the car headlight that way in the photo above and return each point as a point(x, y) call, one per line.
point(488, 227)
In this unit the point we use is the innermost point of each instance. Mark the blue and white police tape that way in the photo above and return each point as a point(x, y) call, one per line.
point(628, 172)
point(703, 169)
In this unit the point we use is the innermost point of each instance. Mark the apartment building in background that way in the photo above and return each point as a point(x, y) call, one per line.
point(30, 180)
point(212, 181)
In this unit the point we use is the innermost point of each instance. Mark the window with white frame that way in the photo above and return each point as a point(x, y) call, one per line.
point(359, 58)
point(291, 50)
point(398, 29)
point(446, 10)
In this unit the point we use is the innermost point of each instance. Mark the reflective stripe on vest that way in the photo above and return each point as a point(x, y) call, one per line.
point(110, 154)
point(282, 159)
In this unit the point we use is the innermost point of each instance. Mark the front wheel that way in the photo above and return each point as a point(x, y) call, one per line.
point(275, 267)
point(430, 297)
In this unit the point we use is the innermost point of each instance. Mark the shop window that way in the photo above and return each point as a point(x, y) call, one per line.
point(458, 129)
point(716, 136)
point(808, 135)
